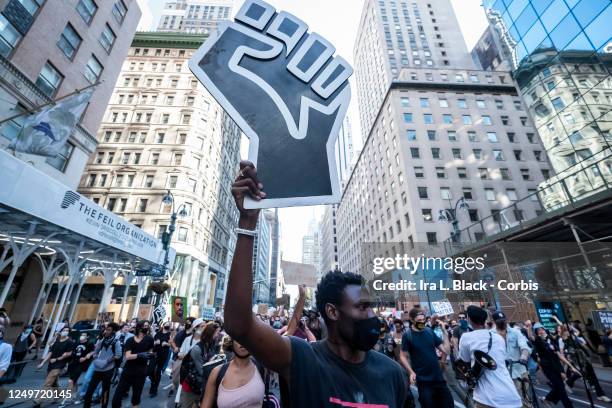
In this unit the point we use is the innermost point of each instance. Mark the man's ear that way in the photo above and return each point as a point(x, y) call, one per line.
point(332, 312)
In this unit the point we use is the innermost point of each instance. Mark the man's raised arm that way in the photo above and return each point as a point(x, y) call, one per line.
point(260, 339)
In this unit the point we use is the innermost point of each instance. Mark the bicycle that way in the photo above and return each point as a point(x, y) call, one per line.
point(528, 392)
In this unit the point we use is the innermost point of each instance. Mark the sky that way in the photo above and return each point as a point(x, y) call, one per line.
point(337, 21)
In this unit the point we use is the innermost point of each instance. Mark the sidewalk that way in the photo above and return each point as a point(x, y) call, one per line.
point(604, 374)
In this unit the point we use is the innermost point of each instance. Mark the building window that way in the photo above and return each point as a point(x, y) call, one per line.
point(414, 152)
point(119, 11)
point(9, 36)
point(483, 173)
point(473, 215)
point(492, 136)
point(448, 119)
point(110, 204)
point(443, 103)
point(142, 205)
point(182, 234)
point(427, 215)
point(408, 117)
point(472, 136)
point(462, 172)
point(486, 120)
point(405, 102)
point(445, 193)
point(154, 159)
point(87, 9)
point(435, 152)
point(172, 181)
point(490, 194)
point(511, 193)
point(69, 41)
point(477, 153)
point(440, 172)
point(432, 238)
point(457, 153)
point(411, 134)
point(418, 172)
point(481, 104)
point(462, 103)
point(49, 79)
point(107, 39)
point(93, 70)
point(467, 193)
point(60, 162)
point(160, 138)
point(467, 119)
point(428, 118)
point(498, 155)
point(424, 102)
point(431, 135)
point(423, 192)
point(505, 173)
point(148, 181)
point(525, 174)
point(11, 128)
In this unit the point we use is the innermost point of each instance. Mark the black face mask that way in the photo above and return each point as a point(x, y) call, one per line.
point(419, 325)
point(501, 325)
point(365, 333)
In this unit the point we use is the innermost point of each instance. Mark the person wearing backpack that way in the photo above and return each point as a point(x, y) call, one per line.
point(138, 352)
point(107, 355)
point(237, 383)
point(193, 375)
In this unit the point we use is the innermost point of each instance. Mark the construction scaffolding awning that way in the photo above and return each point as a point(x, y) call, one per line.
point(42, 212)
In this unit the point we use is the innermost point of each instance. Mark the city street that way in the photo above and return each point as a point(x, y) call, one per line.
point(33, 380)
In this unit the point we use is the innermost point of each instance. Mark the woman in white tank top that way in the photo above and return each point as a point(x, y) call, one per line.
point(241, 385)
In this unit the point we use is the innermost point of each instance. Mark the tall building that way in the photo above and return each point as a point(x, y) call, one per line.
point(163, 132)
point(436, 130)
point(194, 16)
point(311, 246)
point(329, 239)
point(272, 218)
point(262, 251)
point(561, 55)
point(346, 151)
point(49, 49)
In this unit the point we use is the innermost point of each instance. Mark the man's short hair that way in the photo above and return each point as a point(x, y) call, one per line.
point(331, 288)
point(414, 312)
point(477, 314)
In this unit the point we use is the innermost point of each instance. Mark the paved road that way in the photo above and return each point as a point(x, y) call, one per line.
point(33, 380)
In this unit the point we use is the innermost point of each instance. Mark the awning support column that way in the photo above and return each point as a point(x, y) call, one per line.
point(74, 264)
point(49, 271)
point(128, 278)
point(109, 276)
point(142, 286)
point(82, 278)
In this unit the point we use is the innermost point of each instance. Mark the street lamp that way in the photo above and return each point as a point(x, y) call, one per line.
point(450, 215)
point(167, 235)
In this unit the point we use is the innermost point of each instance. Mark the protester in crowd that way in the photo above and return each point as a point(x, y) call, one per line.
point(459, 330)
point(124, 334)
point(37, 329)
point(494, 388)
point(550, 360)
point(81, 358)
point(385, 344)
point(5, 321)
point(315, 325)
point(58, 356)
point(297, 324)
point(419, 358)
point(161, 348)
point(341, 369)
point(176, 343)
point(517, 353)
point(237, 383)
point(573, 349)
point(200, 353)
point(138, 351)
point(607, 342)
point(25, 342)
point(106, 356)
point(5, 360)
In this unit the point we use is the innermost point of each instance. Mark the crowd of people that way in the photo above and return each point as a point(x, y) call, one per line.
point(343, 351)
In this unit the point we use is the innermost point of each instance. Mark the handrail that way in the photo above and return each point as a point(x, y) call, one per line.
point(550, 196)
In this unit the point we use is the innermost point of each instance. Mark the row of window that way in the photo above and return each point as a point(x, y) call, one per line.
point(146, 117)
point(484, 173)
point(156, 82)
point(461, 103)
point(453, 136)
point(166, 52)
point(447, 118)
point(457, 153)
point(155, 66)
point(169, 100)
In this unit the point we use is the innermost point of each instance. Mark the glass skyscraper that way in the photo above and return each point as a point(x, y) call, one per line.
point(561, 55)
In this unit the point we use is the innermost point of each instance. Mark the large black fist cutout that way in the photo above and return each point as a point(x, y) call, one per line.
point(288, 95)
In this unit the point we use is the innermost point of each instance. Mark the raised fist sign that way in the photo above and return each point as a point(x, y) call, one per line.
point(281, 85)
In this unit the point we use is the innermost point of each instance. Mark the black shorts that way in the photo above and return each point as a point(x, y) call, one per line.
point(74, 372)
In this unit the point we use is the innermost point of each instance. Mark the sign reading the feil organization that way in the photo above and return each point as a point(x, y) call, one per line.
point(288, 94)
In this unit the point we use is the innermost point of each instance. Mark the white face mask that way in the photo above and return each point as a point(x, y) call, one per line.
point(199, 332)
point(83, 338)
point(64, 333)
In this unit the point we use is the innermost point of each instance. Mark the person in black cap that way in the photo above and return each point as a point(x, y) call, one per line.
point(517, 351)
point(495, 387)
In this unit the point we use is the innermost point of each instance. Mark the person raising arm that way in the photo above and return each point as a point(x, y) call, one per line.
point(341, 369)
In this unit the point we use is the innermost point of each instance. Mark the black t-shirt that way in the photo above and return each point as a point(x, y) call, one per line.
point(319, 378)
point(139, 365)
point(421, 345)
point(57, 350)
point(161, 351)
point(386, 345)
point(547, 352)
point(80, 351)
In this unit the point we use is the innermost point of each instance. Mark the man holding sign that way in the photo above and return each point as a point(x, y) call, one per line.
point(339, 371)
